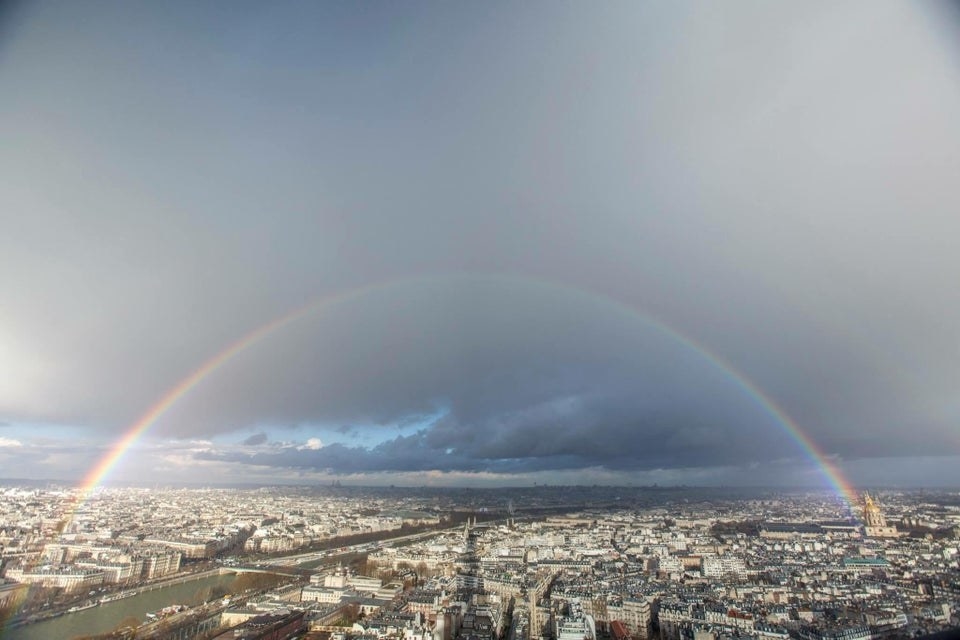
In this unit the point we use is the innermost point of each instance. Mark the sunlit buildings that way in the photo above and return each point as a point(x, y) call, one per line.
point(187, 548)
point(68, 578)
point(635, 613)
point(770, 568)
point(160, 563)
point(724, 566)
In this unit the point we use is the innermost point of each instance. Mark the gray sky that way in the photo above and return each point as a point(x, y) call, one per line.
point(569, 229)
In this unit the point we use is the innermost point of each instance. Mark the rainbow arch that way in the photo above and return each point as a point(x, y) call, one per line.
point(831, 473)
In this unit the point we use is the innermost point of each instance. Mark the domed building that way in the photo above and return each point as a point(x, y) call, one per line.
point(875, 523)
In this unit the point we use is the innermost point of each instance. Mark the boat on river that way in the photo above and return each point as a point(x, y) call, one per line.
point(117, 596)
point(167, 611)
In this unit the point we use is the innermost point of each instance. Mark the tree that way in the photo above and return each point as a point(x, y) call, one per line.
point(5, 614)
point(218, 591)
point(371, 568)
point(254, 581)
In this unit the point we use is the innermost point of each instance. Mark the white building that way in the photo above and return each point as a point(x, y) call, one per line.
point(575, 625)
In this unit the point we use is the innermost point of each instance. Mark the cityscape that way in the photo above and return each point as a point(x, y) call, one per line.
point(565, 563)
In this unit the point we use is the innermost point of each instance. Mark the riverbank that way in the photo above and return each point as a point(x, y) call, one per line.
point(34, 618)
point(129, 605)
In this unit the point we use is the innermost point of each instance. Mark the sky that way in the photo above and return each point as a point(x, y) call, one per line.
point(499, 244)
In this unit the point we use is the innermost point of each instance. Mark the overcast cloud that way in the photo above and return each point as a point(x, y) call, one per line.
point(527, 195)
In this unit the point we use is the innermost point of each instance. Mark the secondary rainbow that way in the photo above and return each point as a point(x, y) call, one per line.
point(830, 471)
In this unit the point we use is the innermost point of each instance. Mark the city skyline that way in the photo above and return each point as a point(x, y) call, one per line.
point(480, 245)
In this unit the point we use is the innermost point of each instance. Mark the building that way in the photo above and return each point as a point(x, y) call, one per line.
point(115, 572)
point(575, 625)
point(727, 566)
point(269, 626)
point(790, 530)
point(853, 632)
point(59, 577)
point(188, 548)
point(875, 523)
point(618, 631)
point(316, 593)
point(159, 564)
point(635, 614)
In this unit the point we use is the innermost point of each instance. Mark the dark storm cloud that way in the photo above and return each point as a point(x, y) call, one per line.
point(576, 382)
point(256, 439)
point(775, 182)
point(520, 449)
point(403, 454)
point(495, 365)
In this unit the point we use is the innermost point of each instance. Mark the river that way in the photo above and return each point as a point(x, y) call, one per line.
point(107, 617)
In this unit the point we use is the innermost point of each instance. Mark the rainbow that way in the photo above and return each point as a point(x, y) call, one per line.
point(831, 473)
point(96, 475)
